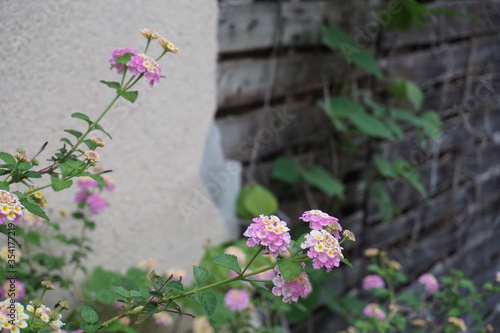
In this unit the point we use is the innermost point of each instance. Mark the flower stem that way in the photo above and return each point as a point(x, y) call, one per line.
point(251, 260)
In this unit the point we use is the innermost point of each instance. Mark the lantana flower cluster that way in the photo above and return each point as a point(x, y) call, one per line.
point(52, 318)
point(140, 63)
point(88, 194)
point(10, 207)
point(270, 232)
point(13, 289)
point(12, 316)
point(322, 244)
point(322, 241)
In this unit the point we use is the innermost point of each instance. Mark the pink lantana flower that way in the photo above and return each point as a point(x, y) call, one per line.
point(13, 289)
point(430, 283)
point(143, 64)
point(300, 287)
point(320, 220)
point(86, 182)
point(373, 281)
point(324, 249)
point(270, 232)
point(237, 300)
point(373, 310)
point(120, 68)
point(96, 203)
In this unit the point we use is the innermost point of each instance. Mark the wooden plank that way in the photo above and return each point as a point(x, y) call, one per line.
point(444, 62)
point(442, 28)
point(268, 131)
point(253, 26)
point(243, 82)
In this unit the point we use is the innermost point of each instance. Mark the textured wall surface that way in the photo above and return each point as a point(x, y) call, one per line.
point(54, 52)
point(273, 70)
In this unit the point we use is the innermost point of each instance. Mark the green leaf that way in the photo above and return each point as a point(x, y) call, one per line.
point(255, 200)
point(33, 207)
point(60, 184)
point(156, 280)
point(323, 180)
point(90, 144)
point(290, 269)
point(175, 286)
point(378, 109)
point(4, 186)
point(90, 328)
point(8, 158)
point(384, 167)
point(124, 58)
point(200, 274)
point(407, 172)
point(431, 124)
point(148, 310)
point(97, 178)
point(111, 84)
point(383, 201)
point(77, 134)
point(229, 261)
point(402, 88)
point(100, 128)
point(130, 96)
point(33, 237)
point(83, 116)
point(346, 261)
point(208, 301)
point(72, 167)
point(340, 107)
point(66, 140)
point(121, 291)
point(286, 169)
point(24, 166)
point(338, 40)
point(89, 315)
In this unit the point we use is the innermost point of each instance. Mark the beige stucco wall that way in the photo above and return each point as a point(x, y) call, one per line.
point(54, 52)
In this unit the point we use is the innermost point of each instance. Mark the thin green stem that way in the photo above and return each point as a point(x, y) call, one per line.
point(251, 260)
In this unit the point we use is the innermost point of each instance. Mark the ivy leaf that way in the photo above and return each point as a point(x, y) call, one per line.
point(83, 116)
point(201, 274)
point(323, 180)
point(8, 158)
point(402, 88)
point(208, 301)
point(289, 269)
point(406, 171)
point(286, 169)
point(384, 167)
point(89, 315)
point(340, 41)
point(229, 261)
point(255, 200)
point(341, 107)
point(130, 96)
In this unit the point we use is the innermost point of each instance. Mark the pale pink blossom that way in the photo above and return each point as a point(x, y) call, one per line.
point(324, 249)
point(96, 203)
point(237, 300)
point(300, 287)
point(320, 220)
point(270, 232)
point(373, 281)
point(373, 310)
point(430, 283)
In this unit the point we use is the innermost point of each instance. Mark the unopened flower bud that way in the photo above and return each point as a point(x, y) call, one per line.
point(394, 265)
point(372, 252)
point(91, 156)
point(98, 141)
point(21, 150)
point(35, 162)
point(64, 305)
point(36, 303)
point(349, 235)
point(150, 34)
point(47, 285)
point(21, 157)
